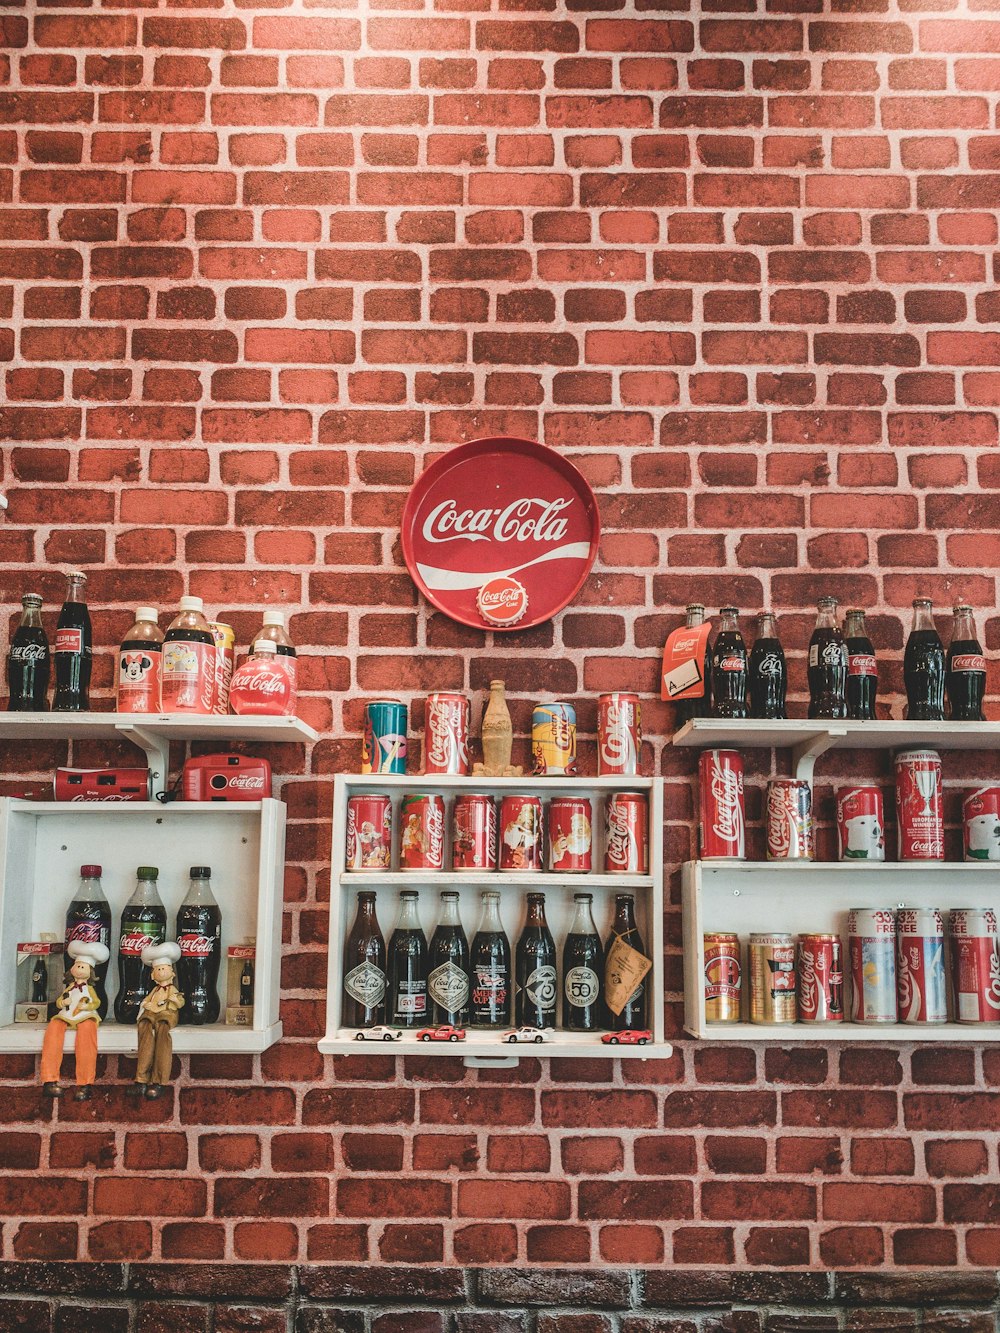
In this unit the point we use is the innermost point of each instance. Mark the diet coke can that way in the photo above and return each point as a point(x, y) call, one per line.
point(619, 735)
point(981, 824)
point(446, 734)
point(975, 964)
point(723, 977)
point(369, 832)
point(789, 820)
point(920, 979)
point(626, 834)
point(553, 739)
point(521, 833)
point(919, 805)
point(474, 833)
point(570, 835)
point(421, 840)
point(871, 945)
point(772, 978)
point(722, 827)
point(860, 824)
point(820, 979)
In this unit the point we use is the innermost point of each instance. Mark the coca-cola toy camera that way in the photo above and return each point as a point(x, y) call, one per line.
point(225, 777)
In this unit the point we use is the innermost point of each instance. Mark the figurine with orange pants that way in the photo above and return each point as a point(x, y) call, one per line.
point(156, 1021)
point(76, 1008)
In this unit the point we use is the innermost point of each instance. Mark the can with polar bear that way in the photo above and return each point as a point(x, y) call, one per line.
point(860, 824)
point(981, 822)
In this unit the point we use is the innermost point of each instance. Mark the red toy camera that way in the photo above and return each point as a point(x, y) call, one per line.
point(225, 777)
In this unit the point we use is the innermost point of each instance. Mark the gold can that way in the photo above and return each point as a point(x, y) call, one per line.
point(225, 658)
point(772, 979)
point(723, 977)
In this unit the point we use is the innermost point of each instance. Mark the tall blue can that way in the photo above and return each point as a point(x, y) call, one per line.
point(383, 745)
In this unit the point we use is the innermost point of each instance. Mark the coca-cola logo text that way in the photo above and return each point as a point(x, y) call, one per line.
point(447, 749)
point(197, 946)
point(245, 782)
point(727, 795)
point(28, 652)
point(524, 519)
point(769, 665)
point(968, 662)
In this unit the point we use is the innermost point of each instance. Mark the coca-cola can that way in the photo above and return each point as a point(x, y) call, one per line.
point(772, 978)
point(975, 964)
point(820, 979)
point(626, 833)
point(871, 945)
point(920, 976)
point(860, 824)
point(474, 833)
point(570, 835)
point(369, 832)
point(446, 734)
point(722, 826)
point(521, 833)
point(723, 977)
point(981, 825)
point(919, 805)
point(619, 735)
point(421, 838)
point(553, 739)
point(789, 820)
point(225, 659)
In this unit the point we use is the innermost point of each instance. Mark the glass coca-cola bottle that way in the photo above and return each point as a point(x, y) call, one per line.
point(144, 922)
point(39, 980)
point(364, 968)
point(88, 918)
point(535, 969)
point(701, 706)
point(73, 650)
point(862, 669)
point(246, 988)
point(448, 980)
point(28, 661)
point(583, 970)
point(827, 664)
point(490, 969)
point(408, 966)
point(924, 666)
point(199, 935)
point(729, 667)
point(624, 929)
point(965, 678)
point(768, 674)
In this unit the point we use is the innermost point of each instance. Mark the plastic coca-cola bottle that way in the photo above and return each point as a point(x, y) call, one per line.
point(701, 706)
point(139, 663)
point(188, 669)
point(263, 685)
point(28, 661)
point(365, 978)
point(729, 668)
point(924, 666)
point(88, 918)
point(199, 935)
point(73, 650)
point(827, 664)
point(144, 921)
point(966, 672)
point(273, 631)
point(862, 669)
point(768, 674)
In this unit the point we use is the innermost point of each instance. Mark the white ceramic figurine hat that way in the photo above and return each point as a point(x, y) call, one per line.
point(92, 951)
point(155, 954)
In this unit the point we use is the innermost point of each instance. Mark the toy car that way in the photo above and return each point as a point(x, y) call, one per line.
point(528, 1033)
point(443, 1033)
point(378, 1033)
point(630, 1037)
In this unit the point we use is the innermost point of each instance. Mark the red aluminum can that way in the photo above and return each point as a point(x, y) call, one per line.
point(722, 827)
point(981, 825)
point(789, 820)
point(421, 839)
point(521, 833)
point(723, 977)
point(225, 659)
point(570, 835)
point(821, 979)
point(871, 944)
point(446, 734)
point(975, 964)
point(860, 824)
point(626, 833)
point(920, 979)
point(619, 735)
point(474, 833)
point(919, 805)
point(369, 832)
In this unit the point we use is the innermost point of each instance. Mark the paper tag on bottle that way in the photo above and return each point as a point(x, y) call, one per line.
point(623, 973)
point(682, 675)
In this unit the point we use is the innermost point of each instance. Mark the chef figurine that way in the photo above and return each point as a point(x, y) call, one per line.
point(76, 1008)
point(157, 1020)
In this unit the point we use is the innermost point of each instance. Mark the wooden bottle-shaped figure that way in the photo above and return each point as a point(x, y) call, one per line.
point(498, 737)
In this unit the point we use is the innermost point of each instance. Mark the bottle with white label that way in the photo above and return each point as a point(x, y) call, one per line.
point(188, 669)
point(73, 650)
point(408, 966)
point(364, 968)
point(583, 968)
point(490, 969)
point(273, 630)
point(448, 980)
point(535, 969)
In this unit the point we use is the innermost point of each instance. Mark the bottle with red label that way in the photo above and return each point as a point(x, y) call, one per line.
point(965, 678)
point(199, 935)
point(28, 661)
point(827, 664)
point(729, 668)
point(263, 685)
point(188, 666)
point(139, 661)
point(88, 919)
point(144, 922)
point(73, 650)
point(862, 669)
point(273, 631)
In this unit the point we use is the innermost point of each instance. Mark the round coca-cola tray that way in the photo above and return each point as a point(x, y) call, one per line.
point(501, 533)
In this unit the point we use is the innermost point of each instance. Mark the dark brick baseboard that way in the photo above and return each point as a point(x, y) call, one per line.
point(272, 1298)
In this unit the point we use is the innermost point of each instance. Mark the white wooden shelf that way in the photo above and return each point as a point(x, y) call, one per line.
point(488, 1047)
point(120, 1038)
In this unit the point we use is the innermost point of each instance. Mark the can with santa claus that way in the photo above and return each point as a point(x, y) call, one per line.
point(920, 978)
point(919, 805)
point(860, 824)
point(626, 833)
point(722, 827)
point(975, 964)
point(981, 824)
point(421, 837)
point(369, 832)
point(570, 835)
point(446, 734)
point(789, 820)
point(474, 832)
point(521, 833)
point(619, 735)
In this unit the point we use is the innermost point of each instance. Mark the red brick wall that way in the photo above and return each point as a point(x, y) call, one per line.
point(256, 267)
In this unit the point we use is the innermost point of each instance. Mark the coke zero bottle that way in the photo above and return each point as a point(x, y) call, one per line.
point(28, 661)
point(448, 981)
point(827, 664)
point(633, 1011)
point(39, 980)
point(923, 667)
point(729, 668)
point(364, 968)
point(490, 969)
point(862, 669)
point(199, 935)
point(768, 674)
point(535, 969)
point(73, 650)
point(702, 705)
point(408, 966)
point(583, 969)
point(144, 921)
point(89, 918)
point(966, 673)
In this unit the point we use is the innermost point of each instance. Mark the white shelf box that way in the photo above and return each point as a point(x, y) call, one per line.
point(486, 1047)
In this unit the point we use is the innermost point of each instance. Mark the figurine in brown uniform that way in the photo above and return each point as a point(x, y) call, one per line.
point(76, 1008)
point(157, 1020)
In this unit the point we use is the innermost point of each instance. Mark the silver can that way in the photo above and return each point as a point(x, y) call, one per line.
point(871, 946)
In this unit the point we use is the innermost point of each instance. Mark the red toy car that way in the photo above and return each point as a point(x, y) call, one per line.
point(443, 1033)
point(630, 1037)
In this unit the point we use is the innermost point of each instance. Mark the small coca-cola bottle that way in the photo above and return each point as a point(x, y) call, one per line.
point(729, 668)
point(88, 918)
point(28, 661)
point(188, 669)
point(862, 669)
point(490, 969)
point(246, 984)
point(634, 1010)
point(273, 631)
point(199, 935)
point(827, 664)
point(39, 980)
point(768, 674)
point(966, 670)
point(702, 705)
point(364, 968)
point(535, 966)
point(144, 922)
point(139, 662)
point(924, 666)
point(73, 650)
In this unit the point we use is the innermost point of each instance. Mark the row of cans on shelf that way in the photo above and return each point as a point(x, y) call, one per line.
point(860, 815)
point(896, 962)
point(515, 840)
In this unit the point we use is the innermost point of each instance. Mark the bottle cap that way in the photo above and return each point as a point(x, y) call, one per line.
point(76, 576)
point(266, 646)
point(201, 872)
point(274, 618)
point(962, 606)
point(33, 598)
point(147, 872)
point(146, 613)
point(729, 611)
point(192, 604)
point(90, 872)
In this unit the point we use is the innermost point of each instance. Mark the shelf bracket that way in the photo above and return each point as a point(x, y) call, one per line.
point(805, 754)
point(491, 1061)
point(157, 751)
